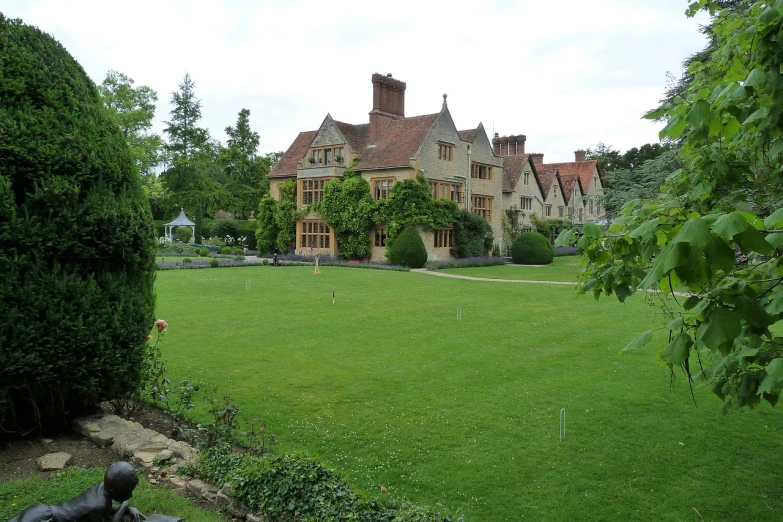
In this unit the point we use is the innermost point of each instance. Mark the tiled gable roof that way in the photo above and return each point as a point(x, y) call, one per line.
point(398, 144)
point(569, 181)
point(584, 169)
point(547, 177)
point(355, 135)
point(290, 161)
point(467, 135)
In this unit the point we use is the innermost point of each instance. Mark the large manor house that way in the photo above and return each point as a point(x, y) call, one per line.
point(487, 177)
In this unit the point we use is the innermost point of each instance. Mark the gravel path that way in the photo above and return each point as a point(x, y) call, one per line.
point(455, 276)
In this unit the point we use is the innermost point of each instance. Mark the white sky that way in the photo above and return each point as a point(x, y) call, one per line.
point(566, 73)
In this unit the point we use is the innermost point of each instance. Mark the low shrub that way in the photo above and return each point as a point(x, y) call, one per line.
point(531, 248)
point(264, 262)
point(184, 234)
point(214, 263)
point(169, 249)
point(238, 251)
point(204, 252)
point(565, 251)
point(408, 249)
point(187, 260)
point(297, 487)
point(465, 263)
point(225, 250)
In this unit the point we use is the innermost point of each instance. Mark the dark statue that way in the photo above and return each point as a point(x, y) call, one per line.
point(97, 503)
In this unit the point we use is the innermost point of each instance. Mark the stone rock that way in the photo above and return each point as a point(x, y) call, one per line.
point(227, 490)
point(54, 461)
point(144, 458)
point(46, 441)
point(254, 517)
point(195, 486)
point(237, 509)
point(164, 455)
point(178, 482)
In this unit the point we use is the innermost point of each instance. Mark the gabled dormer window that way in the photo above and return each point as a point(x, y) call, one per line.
point(326, 155)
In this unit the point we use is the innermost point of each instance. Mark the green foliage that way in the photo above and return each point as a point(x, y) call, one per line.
point(184, 234)
point(267, 231)
point(643, 182)
point(610, 160)
point(348, 207)
point(226, 250)
point(203, 252)
point(133, 109)
point(550, 228)
point(225, 229)
point(410, 203)
point(214, 263)
point(297, 487)
point(472, 235)
point(76, 240)
point(408, 250)
point(190, 179)
point(532, 248)
point(244, 172)
point(238, 251)
point(715, 232)
point(286, 216)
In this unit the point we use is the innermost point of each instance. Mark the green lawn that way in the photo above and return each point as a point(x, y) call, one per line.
point(562, 269)
point(389, 388)
point(15, 495)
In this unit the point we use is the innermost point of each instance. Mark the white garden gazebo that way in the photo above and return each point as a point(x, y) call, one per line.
point(181, 221)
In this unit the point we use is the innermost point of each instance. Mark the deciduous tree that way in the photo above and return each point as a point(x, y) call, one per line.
point(716, 233)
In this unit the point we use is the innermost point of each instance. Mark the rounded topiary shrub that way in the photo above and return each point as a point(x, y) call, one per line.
point(77, 254)
point(531, 248)
point(203, 252)
point(408, 249)
point(224, 229)
point(226, 250)
point(214, 263)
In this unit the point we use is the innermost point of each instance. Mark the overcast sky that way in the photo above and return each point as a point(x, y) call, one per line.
point(567, 74)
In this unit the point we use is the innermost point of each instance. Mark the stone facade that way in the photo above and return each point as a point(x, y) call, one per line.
point(389, 149)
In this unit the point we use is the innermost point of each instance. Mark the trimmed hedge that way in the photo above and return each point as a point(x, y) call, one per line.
point(408, 249)
point(531, 248)
point(77, 251)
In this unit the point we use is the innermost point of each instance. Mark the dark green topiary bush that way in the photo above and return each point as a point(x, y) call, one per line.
point(226, 250)
point(531, 248)
point(214, 263)
point(203, 252)
point(408, 249)
point(472, 235)
point(76, 240)
point(225, 229)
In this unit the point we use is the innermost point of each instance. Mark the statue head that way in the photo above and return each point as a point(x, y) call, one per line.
point(119, 481)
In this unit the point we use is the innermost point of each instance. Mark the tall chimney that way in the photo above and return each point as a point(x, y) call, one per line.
point(388, 103)
point(509, 145)
point(538, 158)
point(580, 155)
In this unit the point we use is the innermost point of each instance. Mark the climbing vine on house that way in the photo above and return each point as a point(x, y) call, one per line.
point(410, 202)
point(348, 207)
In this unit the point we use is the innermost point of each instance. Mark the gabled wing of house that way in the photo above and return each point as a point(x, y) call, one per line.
point(571, 184)
point(548, 176)
point(585, 170)
point(289, 163)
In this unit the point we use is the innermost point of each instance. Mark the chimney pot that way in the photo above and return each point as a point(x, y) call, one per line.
point(580, 155)
point(538, 158)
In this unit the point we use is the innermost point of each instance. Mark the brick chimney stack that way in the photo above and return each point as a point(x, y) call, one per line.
point(538, 158)
point(388, 103)
point(509, 145)
point(580, 155)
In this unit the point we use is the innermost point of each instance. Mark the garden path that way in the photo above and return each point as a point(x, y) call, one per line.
point(471, 278)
